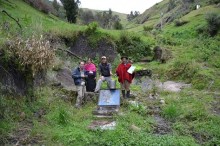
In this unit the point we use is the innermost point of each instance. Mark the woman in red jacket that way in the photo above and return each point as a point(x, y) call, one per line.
point(124, 77)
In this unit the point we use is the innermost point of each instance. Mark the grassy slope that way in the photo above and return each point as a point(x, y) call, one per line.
point(122, 16)
point(190, 112)
point(31, 19)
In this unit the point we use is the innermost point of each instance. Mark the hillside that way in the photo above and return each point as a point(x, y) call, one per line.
point(176, 101)
point(122, 16)
point(171, 12)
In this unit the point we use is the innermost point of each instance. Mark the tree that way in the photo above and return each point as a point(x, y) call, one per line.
point(71, 7)
point(56, 5)
point(132, 15)
point(118, 25)
point(171, 5)
point(136, 13)
point(86, 16)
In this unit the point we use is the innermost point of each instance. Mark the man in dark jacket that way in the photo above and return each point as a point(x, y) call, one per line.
point(79, 76)
point(105, 73)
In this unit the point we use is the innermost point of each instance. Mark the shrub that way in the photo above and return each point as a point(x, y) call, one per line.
point(213, 2)
point(147, 28)
point(35, 53)
point(170, 112)
point(213, 20)
point(118, 25)
point(133, 46)
point(201, 29)
point(180, 23)
point(86, 16)
point(91, 28)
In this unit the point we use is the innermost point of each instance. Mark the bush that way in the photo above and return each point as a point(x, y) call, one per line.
point(91, 28)
point(171, 112)
point(36, 53)
point(201, 29)
point(118, 25)
point(213, 2)
point(180, 23)
point(86, 16)
point(147, 28)
point(213, 20)
point(133, 46)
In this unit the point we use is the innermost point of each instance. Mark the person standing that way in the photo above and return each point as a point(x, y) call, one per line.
point(90, 69)
point(105, 73)
point(124, 77)
point(79, 76)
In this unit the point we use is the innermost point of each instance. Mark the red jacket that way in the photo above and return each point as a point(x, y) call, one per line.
point(122, 73)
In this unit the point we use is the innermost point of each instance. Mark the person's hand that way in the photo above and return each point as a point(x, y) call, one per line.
point(111, 74)
point(102, 77)
point(84, 76)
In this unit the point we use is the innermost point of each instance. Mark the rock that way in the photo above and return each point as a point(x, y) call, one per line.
point(144, 72)
point(40, 113)
point(174, 86)
point(162, 101)
point(103, 125)
point(64, 77)
point(22, 116)
point(153, 96)
point(133, 95)
point(133, 103)
point(106, 111)
point(135, 128)
point(81, 46)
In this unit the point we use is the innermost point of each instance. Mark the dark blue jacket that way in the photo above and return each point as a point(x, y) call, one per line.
point(76, 75)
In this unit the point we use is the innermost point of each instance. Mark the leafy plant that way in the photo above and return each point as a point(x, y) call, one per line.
point(91, 28)
point(133, 46)
point(213, 20)
point(170, 111)
point(147, 28)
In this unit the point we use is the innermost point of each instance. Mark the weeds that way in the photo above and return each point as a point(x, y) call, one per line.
point(37, 54)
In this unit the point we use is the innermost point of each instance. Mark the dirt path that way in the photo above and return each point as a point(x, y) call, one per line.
point(23, 135)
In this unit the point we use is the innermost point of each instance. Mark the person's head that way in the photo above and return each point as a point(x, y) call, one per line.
point(103, 59)
point(89, 60)
point(81, 64)
point(124, 59)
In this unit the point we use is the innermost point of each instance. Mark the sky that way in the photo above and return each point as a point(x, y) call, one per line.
point(123, 6)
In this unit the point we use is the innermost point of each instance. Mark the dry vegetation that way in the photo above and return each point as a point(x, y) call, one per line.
point(36, 53)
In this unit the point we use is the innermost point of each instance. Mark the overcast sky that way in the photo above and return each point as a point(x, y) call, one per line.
point(123, 6)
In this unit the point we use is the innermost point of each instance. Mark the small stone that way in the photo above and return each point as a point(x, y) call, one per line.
point(162, 101)
point(22, 116)
point(135, 128)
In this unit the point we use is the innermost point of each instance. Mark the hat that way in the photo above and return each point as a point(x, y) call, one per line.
point(103, 57)
point(124, 57)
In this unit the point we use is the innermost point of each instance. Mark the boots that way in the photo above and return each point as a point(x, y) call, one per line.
point(123, 93)
point(128, 94)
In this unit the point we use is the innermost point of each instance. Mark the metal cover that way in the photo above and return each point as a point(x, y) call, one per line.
point(109, 97)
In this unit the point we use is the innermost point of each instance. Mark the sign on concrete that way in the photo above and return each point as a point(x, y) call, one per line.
point(109, 98)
